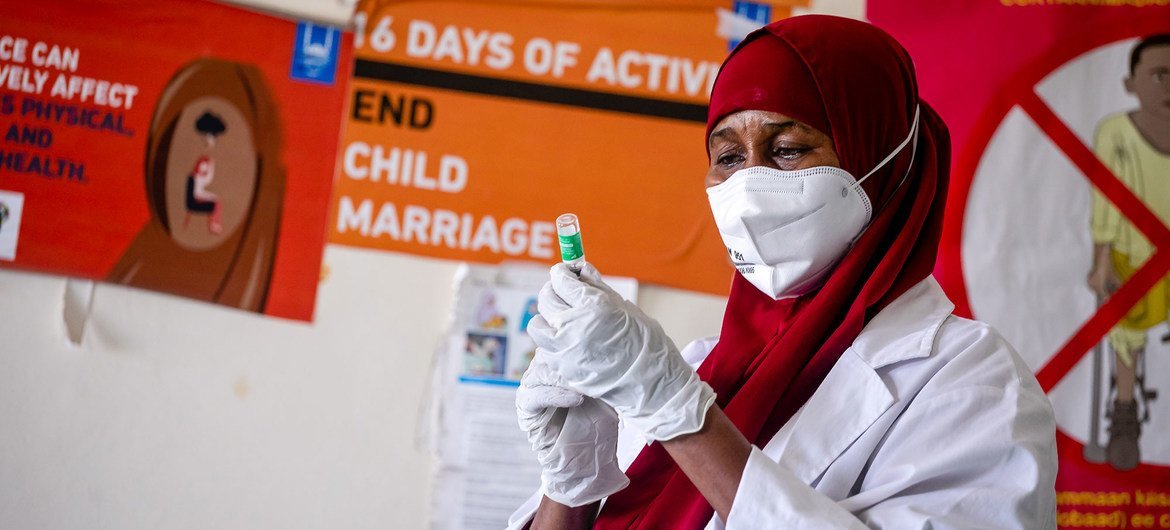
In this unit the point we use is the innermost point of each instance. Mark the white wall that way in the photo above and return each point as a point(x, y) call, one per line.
point(176, 414)
point(334, 12)
point(844, 8)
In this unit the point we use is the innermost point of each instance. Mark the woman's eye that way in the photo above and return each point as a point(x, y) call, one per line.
point(729, 159)
point(788, 153)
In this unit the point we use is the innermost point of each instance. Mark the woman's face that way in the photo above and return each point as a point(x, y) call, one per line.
point(760, 138)
point(235, 161)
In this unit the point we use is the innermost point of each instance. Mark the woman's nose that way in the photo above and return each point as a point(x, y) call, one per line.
point(759, 157)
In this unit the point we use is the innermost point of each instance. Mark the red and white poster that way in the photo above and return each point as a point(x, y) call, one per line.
point(1056, 229)
point(184, 146)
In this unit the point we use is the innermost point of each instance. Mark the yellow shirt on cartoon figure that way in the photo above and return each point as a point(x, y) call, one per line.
point(1146, 172)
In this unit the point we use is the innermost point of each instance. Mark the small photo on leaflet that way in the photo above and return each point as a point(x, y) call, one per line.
point(523, 350)
point(484, 355)
point(489, 315)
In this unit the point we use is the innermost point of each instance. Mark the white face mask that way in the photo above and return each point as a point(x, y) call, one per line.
point(785, 230)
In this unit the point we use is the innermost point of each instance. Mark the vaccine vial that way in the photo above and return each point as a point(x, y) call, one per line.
point(569, 235)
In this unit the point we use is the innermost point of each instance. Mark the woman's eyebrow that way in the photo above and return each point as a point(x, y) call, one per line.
point(783, 126)
point(728, 133)
point(725, 133)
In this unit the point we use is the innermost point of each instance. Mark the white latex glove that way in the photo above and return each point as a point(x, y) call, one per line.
point(605, 347)
point(575, 438)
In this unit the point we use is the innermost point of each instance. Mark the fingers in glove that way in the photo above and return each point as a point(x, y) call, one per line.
point(590, 275)
point(572, 289)
point(547, 396)
point(548, 301)
point(538, 372)
point(540, 388)
point(542, 333)
point(551, 306)
point(542, 428)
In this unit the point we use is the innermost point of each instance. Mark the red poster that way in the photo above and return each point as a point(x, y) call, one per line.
point(183, 146)
point(1056, 228)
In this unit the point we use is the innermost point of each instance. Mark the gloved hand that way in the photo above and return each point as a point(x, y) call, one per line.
point(605, 347)
point(575, 438)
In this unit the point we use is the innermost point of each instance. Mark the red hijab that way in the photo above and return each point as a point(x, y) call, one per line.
point(855, 83)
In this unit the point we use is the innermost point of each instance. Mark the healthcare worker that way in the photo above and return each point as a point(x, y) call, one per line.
point(841, 392)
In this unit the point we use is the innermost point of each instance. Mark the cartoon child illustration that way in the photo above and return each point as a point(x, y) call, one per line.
point(213, 149)
point(1135, 145)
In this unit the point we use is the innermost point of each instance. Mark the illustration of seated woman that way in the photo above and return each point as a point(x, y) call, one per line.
point(198, 199)
point(201, 201)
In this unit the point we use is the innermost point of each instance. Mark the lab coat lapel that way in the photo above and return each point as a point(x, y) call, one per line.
point(830, 421)
point(854, 395)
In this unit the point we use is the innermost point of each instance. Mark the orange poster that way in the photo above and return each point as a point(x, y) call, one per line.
point(472, 125)
point(183, 146)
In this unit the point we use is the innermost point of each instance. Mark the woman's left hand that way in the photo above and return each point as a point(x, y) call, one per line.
point(575, 438)
point(605, 347)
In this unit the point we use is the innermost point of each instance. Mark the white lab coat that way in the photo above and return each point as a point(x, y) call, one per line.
point(928, 421)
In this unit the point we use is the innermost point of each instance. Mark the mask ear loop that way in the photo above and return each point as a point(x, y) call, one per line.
point(911, 139)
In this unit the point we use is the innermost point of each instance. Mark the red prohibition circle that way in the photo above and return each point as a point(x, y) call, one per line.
point(1019, 89)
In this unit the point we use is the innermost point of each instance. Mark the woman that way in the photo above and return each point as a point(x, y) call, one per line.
point(222, 112)
point(199, 199)
point(841, 392)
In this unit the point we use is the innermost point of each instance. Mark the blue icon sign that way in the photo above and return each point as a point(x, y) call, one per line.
point(761, 13)
point(315, 53)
